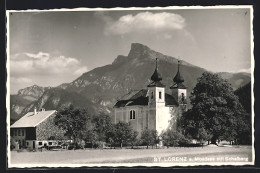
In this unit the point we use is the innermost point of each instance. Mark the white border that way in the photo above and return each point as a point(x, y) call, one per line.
point(130, 164)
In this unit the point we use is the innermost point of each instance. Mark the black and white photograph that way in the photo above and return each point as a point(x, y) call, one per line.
point(153, 86)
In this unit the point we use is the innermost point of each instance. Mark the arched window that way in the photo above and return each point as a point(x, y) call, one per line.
point(132, 114)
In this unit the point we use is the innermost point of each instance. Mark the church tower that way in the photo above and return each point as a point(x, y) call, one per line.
point(179, 91)
point(156, 90)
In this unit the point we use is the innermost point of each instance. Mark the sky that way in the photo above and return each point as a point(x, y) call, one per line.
point(50, 48)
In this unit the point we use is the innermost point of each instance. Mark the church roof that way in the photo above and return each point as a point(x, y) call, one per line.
point(156, 84)
point(156, 77)
point(140, 98)
point(178, 78)
point(178, 86)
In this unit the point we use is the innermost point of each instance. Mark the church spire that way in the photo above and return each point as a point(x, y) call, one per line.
point(178, 78)
point(156, 77)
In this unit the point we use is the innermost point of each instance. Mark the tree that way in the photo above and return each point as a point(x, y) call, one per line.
point(244, 95)
point(92, 137)
point(133, 138)
point(74, 121)
point(102, 126)
point(149, 137)
point(216, 111)
point(203, 135)
point(123, 132)
point(172, 137)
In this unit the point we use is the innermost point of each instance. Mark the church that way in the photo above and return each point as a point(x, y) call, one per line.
point(153, 108)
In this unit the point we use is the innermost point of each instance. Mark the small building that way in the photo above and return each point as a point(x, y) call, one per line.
point(35, 130)
point(153, 108)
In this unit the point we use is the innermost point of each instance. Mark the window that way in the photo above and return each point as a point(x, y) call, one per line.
point(50, 143)
point(15, 132)
point(160, 95)
point(27, 143)
point(132, 115)
point(40, 143)
point(12, 132)
point(19, 132)
point(22, 132)
point(152, 95)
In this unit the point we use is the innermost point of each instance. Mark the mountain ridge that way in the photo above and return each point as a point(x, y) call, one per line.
point(102, 86)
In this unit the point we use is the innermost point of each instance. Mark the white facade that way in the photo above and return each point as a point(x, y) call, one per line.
point(156, 115)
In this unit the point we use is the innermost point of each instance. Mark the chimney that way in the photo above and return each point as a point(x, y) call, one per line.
point(35, 112)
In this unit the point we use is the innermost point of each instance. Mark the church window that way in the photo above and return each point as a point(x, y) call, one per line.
point(160, 95)
point(132, 114)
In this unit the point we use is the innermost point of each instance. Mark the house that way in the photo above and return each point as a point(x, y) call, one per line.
point(152, 107)
point(35, 130)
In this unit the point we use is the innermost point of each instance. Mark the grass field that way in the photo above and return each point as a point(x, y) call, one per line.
point(170, 155)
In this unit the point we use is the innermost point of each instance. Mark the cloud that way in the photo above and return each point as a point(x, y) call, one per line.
point(80, 71)
point(144, 22)
point(23, 64)
point(20, 80)
point(248, 70)
point(43, 69)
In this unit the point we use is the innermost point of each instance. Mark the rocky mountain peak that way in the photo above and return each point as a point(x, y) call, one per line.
point(138, 51)
point(120, 59)
point(34, 91)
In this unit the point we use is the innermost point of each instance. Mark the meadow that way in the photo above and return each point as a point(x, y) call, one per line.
point(172, 155)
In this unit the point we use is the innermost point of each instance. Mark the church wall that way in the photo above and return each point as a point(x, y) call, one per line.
point(175, 114)
point(118, 115)
point(125, 118)
point(158, 118)
point(141, 116)
point(163, 117)
point(152, 118)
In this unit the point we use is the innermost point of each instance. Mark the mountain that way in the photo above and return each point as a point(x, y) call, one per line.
point(100, 88)
point(236, 79)
point(24, 98)
point(55, 98)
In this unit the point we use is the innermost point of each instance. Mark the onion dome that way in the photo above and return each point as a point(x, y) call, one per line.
point(156, 77)
point(178, 78)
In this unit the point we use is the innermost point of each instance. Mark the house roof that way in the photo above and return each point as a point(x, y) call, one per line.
point(140, 98)
point(31, 120)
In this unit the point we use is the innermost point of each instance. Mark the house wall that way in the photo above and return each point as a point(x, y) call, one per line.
point(47, 129)
point(19, 135)
point(30, 133)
